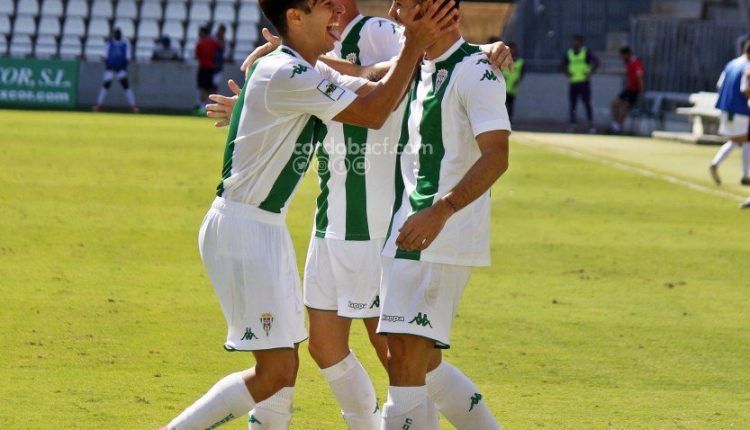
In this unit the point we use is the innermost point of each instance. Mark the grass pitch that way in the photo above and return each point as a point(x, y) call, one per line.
point(615, 300)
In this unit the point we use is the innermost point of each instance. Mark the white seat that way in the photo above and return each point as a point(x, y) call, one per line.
point(26, 7)
point(45, 46)
point(192, 30)
point(232, 2)
point(4, 26)
point(98, 27)
point(70, 47)
point(126, 9)
point(126, 26)
point(20, 45)
point(73, 26)
point(95, 48)
point(174, 29)
point(200, 12)
point(151, 9)
point(24, 25)
point(148, 28)
point(175, 11)
point(102, 9)
point(246, 32)
point(52, 8)
point(224, 12)
point(249, 12)
point(49, 25)
point(6, 8)
point(77, 8)
point(243, 49)
point(144, 50)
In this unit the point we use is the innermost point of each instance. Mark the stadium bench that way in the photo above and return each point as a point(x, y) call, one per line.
point(702, 113)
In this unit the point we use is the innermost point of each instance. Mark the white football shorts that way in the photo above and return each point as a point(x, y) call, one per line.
point(110, 75)
point(737, 126)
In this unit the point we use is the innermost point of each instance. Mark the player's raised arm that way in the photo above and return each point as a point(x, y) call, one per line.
point(372, 110)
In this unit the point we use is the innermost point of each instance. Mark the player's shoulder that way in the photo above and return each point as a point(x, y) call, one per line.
point(282, 65)
point(378, 25)
point(474, 63)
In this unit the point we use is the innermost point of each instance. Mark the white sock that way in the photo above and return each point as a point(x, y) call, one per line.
point(746, 160)
point(407, 408)
point(274, 413)
point(225, 401)
point(354, 391)
point(458, 399)
point(130, 96)
point(101, 96)
point(723, 153)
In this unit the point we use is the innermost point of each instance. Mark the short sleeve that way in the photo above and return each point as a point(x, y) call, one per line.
point(298, 88)
point(385, 38)
point(483, 94)
point(352, 83)
point(743, 81)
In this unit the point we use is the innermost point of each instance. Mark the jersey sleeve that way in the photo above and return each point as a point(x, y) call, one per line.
point(298, 88)
point(744, 81)
point(385, 39)
point(482, 92)
point(352, 83)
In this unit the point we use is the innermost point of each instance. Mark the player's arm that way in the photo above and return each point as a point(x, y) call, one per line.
point(422, 228)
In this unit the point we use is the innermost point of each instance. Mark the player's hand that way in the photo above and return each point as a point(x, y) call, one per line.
point(428, 21)
point(499, 55)
point(272, 42)
point(222, 109)
point(423, 227)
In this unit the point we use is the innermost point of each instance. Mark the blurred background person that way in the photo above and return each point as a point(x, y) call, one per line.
point(735, 115)
point(205, 52)
point(633, 89)
point(579, 63)
point(221, 44)
point(117, 54)
point(163, 51)
point(513, 79)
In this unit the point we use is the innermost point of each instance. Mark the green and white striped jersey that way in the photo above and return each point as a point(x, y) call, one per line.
point(276, 125)
point(356, 165)
point(456, 97)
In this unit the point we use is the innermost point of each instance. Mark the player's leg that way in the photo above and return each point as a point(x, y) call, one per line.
point(106, 83)
point(572, 102)
point(586, 97)
point(378, 342)
point(274, 413)
point(122, 76)
point(720, 156)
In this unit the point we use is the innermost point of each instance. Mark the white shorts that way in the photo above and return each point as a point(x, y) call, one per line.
point(421, 298)
point(250, 260)
point(344, 276)
point(736, 127)
point(110, 75)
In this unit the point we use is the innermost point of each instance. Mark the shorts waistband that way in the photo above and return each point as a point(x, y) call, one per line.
point(223, 205)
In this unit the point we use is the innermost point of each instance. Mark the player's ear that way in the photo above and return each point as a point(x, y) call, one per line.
point(293, 18)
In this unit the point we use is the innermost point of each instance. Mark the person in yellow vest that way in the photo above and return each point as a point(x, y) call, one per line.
point(513, 78)
point(579, 63)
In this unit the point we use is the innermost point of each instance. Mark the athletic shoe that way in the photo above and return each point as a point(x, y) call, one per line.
point(745, 181)
point(135, 109)
point(715, 174)
point(745, 205)
point(97, 108)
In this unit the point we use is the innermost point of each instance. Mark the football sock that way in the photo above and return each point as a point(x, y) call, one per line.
point(274, 413)
point(407, 407)
point(746, 160)
point(723, 153)
point(130, 96)
point(458, 399)
point(225, 401)
point(101, 96)
point(354, 391)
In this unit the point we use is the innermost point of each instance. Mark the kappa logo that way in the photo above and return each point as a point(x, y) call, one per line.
point(421, 320)
point(352, 57)
point(266, 319)
point(249, 335)
point(253, 419)
point(475, 399)
point(392, 318)
point(440, 79)
point(330, 90)
point(489, 75)
point(357, 306)
point(298, 70)
point(221, 422)
point(375, 302)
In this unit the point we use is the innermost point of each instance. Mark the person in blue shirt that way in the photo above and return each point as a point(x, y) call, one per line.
point(735, 115)
point(117, 54)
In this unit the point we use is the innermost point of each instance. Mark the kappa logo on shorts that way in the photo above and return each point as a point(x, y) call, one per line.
point(376, 302)
point(421, 319)
point(266, 319)
point(392, 318)
point(475, 399)
point(357, 306)
point(249, 335)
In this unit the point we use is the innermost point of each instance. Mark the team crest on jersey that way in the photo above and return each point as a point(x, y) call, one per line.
point(266, 319)
point(330, 90)
point(352, 57)
point(440, 79)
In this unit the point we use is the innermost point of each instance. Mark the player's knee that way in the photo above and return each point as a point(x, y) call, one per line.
point(107, 84)
point(326, 352)
point(408, 358)
point(125, 84)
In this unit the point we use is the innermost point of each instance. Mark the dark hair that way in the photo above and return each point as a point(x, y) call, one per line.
point(578, 37)
point(117, 33)
point(746, 46)
point(625, 50)
point(275, 11)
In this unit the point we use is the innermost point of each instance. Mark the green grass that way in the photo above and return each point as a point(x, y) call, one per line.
point(615, 301)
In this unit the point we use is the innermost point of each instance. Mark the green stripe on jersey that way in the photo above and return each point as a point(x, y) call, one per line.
point(297, 165)
point(402, 141)
point(432, 148)
point(324, 175)
point(234, 125)
point(355, 138)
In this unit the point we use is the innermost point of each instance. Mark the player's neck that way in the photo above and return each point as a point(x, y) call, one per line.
point(351, 12)
point(303, 46)
point(442, 45)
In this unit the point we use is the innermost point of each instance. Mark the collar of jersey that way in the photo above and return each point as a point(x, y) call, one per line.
point(291, 52)
point(445, 55)
point(349, 27)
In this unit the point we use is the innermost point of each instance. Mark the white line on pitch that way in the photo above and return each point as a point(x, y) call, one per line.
point(627, 167)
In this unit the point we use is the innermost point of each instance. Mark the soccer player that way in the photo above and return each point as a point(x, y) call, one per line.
point(244, 242)
point(513, 77)
point(116, 57)
point(735, 115)
point(633, 89)
point(579, 63)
